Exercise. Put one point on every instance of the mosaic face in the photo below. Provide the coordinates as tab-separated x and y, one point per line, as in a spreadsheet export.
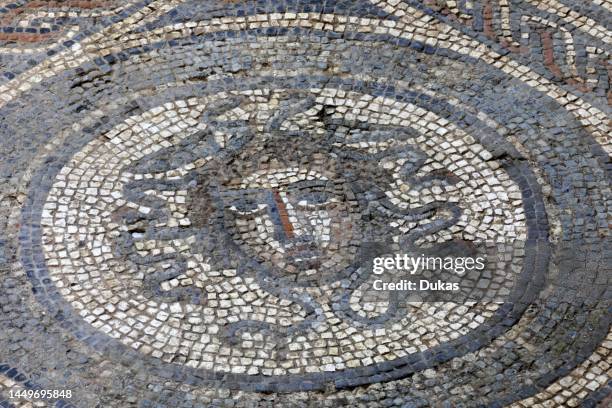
295	221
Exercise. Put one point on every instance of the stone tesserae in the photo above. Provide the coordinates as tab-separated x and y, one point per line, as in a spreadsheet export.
214	203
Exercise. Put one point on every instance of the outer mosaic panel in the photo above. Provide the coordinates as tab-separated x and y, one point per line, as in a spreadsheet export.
191	194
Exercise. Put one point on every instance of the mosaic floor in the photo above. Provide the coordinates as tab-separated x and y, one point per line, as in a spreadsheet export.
189	192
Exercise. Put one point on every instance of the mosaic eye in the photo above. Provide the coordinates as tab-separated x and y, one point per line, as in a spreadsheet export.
316	198
247	206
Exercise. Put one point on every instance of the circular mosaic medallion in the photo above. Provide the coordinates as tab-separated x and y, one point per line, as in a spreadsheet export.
238	221
231	231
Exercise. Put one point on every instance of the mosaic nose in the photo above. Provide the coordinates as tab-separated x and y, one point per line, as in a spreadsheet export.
289	229
284	226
